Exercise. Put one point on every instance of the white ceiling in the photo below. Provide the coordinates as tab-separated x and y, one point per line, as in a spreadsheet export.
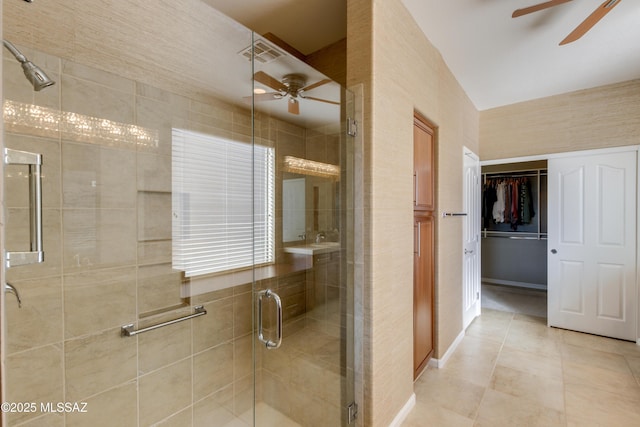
500	60
497	59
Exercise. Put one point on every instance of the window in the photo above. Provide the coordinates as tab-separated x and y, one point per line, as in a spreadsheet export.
223	197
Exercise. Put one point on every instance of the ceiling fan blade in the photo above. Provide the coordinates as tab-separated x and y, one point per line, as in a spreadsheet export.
267	80
537	7
316	84
591	20
294	106
322	100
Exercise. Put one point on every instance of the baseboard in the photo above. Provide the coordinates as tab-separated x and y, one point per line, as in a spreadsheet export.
439	363
404	412
539	286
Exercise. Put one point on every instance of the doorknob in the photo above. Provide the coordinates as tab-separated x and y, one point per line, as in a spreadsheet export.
553	251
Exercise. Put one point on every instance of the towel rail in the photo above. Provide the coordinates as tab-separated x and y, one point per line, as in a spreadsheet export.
130	331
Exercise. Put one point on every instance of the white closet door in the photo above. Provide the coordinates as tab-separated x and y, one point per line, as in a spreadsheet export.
592	244
471	239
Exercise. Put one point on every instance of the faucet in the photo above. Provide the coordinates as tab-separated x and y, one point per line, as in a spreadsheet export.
303	236
320	237
8	287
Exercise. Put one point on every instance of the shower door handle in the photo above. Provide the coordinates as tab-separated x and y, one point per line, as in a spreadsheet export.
34	161
269	344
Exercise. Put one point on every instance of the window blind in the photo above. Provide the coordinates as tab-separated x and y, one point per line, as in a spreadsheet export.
223	197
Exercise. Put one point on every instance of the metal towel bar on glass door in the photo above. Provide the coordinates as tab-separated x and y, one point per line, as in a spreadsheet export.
129	331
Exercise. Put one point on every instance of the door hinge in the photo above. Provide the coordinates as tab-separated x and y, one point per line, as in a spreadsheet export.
352	412
477	295
352	127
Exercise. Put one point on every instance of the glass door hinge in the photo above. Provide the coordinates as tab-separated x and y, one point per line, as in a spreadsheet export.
352	413
352	127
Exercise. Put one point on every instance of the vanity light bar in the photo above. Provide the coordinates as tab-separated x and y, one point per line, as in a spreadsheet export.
309	167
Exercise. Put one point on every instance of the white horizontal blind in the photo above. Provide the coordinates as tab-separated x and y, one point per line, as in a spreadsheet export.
214	228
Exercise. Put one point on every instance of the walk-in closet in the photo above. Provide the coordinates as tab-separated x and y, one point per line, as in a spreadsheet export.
514	228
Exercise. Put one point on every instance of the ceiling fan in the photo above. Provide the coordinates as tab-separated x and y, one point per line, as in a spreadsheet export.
581	29
293	86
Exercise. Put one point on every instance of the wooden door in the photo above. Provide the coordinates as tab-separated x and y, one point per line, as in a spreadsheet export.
424	227
424	244
592	244
423	166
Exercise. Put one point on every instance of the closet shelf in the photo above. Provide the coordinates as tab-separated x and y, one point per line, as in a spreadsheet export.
520	235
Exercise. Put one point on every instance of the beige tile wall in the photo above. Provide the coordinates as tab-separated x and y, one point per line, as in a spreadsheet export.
108	263
606	116
95	276
147	42
401	72
107	244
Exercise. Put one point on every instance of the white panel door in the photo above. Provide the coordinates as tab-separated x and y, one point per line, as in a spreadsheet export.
471	239
592	244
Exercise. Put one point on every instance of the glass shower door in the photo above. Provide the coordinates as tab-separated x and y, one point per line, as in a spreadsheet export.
304	299
112	324
163	197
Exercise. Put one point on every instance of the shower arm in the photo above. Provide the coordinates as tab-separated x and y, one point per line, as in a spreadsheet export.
36	75
14	51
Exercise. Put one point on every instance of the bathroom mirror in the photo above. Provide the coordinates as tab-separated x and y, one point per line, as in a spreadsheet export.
293	208
308	206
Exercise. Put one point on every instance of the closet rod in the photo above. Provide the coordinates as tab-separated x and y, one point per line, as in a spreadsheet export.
519	237
524	235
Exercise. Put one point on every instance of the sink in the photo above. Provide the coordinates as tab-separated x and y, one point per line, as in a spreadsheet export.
314	248
325	245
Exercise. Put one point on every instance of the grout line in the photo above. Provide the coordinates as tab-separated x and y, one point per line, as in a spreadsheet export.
475	418
564	389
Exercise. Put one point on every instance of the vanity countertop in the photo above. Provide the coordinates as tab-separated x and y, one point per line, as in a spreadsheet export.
314	248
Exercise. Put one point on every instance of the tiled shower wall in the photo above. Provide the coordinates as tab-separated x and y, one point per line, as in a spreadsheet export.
107	231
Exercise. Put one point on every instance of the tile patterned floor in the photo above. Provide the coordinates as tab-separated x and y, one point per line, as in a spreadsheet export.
517	300
512	370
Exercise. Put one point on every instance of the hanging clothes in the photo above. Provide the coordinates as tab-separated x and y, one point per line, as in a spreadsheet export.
507	200
526	203
498	206
515	215
507	203
489	197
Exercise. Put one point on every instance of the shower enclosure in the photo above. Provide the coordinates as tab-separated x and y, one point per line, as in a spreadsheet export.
186	187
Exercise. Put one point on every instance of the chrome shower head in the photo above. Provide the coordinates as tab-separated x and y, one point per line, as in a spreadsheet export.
34	74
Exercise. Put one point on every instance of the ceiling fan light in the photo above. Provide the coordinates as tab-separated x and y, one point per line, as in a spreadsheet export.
259	91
